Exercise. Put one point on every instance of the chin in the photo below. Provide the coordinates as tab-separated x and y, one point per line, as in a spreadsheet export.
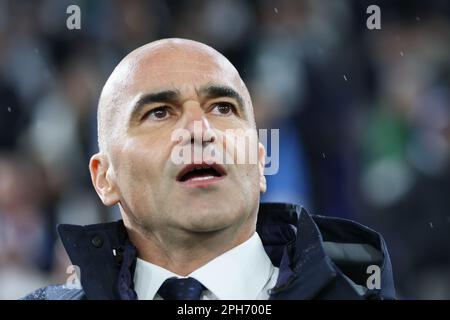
210	219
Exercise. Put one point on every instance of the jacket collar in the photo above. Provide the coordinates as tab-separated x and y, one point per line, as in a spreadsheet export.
303	253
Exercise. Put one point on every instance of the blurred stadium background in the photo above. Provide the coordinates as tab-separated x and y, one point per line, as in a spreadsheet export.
363	117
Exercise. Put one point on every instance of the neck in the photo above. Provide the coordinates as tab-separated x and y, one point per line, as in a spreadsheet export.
186	251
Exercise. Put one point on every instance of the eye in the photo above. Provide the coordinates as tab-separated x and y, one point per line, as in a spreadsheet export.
158	114
223	109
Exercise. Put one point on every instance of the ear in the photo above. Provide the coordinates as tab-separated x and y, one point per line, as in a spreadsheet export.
102	177
261	164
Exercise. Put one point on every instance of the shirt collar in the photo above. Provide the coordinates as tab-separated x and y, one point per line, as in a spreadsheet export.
148	277
247	268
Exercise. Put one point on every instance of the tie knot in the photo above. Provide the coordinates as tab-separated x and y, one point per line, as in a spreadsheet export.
181	289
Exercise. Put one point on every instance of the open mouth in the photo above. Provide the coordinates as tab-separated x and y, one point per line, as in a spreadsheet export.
201	172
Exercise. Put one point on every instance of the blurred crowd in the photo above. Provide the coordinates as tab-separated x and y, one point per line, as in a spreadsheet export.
364	117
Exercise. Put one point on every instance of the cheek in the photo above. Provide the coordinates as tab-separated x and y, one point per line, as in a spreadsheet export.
140	166
248	178
239	146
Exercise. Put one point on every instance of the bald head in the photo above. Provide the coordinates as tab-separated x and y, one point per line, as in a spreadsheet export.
177	65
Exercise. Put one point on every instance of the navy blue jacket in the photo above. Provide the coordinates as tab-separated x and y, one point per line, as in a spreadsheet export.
318	257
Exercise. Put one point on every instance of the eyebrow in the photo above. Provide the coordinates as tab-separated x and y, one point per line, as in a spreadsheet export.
166	96
173	96
212	92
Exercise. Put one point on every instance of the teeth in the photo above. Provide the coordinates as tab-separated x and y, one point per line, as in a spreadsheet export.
201	168
202	178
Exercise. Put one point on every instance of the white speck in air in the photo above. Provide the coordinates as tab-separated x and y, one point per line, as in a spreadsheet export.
401	53
323	155
276	10
417	18
9	109
345	77
431	225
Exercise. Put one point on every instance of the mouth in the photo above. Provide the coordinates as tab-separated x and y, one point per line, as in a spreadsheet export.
201	175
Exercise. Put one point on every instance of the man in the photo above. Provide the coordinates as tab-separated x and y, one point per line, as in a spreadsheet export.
196	230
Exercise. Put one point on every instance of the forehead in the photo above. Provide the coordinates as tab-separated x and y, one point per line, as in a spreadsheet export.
183	69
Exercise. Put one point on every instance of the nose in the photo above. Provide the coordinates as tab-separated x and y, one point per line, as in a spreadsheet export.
198	125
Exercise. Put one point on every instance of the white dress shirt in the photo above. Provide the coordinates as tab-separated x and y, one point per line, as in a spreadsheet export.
242	273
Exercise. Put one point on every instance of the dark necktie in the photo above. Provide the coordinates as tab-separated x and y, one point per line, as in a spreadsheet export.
181	289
